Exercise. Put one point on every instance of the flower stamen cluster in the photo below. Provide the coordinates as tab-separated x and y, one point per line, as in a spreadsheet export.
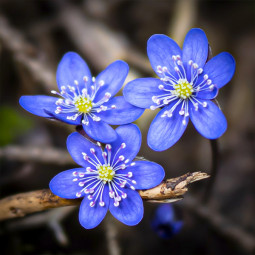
79	101
180	89
104	173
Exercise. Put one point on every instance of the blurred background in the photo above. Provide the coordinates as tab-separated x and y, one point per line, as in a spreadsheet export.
34	35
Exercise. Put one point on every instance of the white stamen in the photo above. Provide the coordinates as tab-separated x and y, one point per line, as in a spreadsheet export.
111	194
85	122
211	87
161	87
159	69
195	66
209	82
181	112
164	69
205	77
108	146
101	203
200	70
101	83
78	194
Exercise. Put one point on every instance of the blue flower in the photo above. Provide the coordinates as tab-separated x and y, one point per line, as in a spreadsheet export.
185	89
86	100
164	223
109	178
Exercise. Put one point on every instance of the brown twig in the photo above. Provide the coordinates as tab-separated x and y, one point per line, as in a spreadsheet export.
172	189
24	203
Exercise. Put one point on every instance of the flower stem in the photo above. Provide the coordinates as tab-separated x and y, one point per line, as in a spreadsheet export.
214	170
111	233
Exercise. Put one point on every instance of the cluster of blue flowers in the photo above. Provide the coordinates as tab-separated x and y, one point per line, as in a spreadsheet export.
108	177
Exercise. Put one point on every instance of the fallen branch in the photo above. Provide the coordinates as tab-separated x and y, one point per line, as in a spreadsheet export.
22	204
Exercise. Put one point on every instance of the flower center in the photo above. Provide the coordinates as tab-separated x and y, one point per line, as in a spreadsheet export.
183	89
83	104
105	173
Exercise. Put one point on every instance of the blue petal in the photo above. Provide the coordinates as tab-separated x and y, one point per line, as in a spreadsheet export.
160	49
124	112
131	136
113	76
38	104
130	209
146	174
220	69
139	92
63	185
90	217
195	47
165	132
165	214
209	121
76	144
72	67
100	131
177	226
63	117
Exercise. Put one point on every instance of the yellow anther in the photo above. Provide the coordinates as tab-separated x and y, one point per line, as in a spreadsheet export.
83	104
105	173
183	89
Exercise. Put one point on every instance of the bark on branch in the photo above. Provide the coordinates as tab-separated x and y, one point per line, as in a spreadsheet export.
22	204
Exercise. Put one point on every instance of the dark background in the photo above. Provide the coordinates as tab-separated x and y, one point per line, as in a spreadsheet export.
34	35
